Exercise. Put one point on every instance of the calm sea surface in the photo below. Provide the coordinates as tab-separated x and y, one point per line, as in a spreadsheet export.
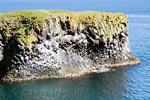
130	83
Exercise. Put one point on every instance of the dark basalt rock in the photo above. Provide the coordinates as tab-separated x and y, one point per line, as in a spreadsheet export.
64	47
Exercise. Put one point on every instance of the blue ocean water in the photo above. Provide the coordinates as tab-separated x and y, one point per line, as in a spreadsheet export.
130	83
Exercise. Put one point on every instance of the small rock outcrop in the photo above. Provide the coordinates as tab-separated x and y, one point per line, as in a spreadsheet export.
42	44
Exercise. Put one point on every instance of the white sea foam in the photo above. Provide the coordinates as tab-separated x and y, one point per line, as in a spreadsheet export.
145	16
102	70
141	24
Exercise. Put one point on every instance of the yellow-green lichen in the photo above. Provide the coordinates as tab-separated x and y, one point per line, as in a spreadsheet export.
27	22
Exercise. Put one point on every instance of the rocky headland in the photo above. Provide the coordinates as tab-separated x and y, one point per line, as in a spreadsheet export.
40	44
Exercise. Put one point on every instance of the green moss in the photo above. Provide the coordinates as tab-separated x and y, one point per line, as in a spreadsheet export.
38	14
22	30
27	22
41	14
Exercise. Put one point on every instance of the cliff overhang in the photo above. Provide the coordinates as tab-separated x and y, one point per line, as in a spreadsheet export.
42	44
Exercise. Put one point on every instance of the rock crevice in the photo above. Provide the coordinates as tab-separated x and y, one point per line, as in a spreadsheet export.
62	44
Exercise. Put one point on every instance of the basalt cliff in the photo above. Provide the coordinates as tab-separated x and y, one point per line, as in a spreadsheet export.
54	44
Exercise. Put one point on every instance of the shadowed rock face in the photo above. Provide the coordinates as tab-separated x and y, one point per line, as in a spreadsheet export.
59	45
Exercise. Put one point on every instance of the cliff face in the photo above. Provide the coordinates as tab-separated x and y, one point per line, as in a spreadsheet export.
42	44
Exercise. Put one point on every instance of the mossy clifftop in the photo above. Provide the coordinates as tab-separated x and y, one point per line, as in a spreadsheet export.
23	24
39	44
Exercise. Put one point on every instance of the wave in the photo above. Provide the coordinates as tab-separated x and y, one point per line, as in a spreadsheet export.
139	24
102	70
145	16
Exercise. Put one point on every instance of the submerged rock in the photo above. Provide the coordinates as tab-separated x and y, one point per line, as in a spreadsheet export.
42	44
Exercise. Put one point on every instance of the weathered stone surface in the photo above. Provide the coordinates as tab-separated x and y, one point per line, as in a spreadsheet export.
42	44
